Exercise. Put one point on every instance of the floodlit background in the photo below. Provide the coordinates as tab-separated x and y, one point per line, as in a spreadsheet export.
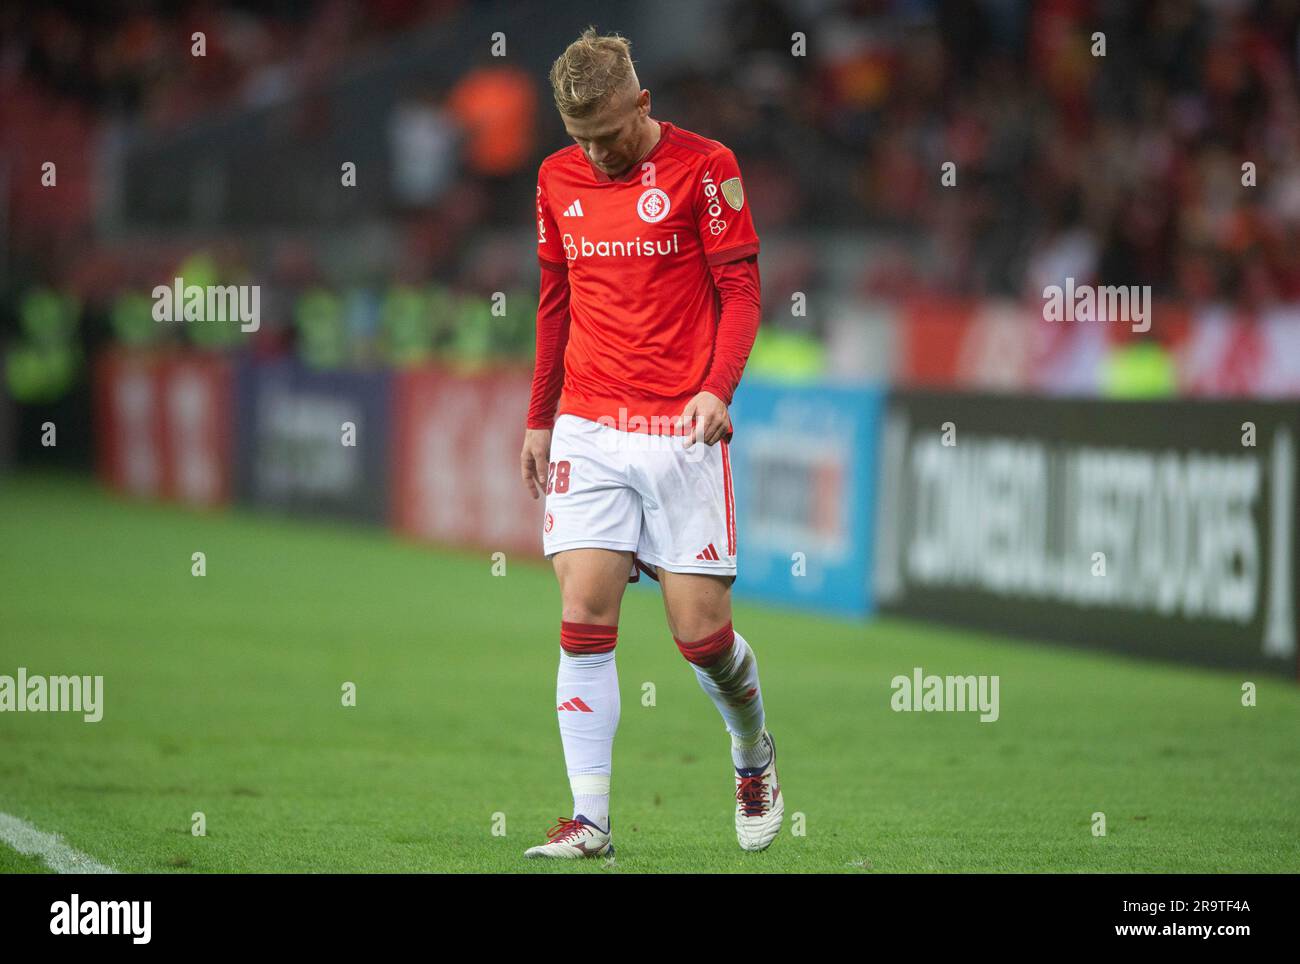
927	464
1123	169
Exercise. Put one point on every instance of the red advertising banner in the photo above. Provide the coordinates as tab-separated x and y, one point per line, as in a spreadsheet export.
1009	346
930	341
1229	353
953	342
164	426
456	459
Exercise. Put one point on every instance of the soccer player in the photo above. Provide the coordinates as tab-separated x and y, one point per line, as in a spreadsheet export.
649	307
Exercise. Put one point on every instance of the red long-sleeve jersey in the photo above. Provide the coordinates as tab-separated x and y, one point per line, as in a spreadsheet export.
650	289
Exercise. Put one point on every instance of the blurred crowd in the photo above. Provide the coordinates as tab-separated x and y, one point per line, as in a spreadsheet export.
1127	143
1135	143
137	59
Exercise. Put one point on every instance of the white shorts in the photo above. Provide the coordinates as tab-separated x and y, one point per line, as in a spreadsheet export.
641	493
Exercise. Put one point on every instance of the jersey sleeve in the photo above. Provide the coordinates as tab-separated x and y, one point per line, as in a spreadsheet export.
552	338
738	287
722	210
550	250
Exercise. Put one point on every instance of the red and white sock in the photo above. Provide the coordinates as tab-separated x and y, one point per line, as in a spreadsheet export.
587	705
727	670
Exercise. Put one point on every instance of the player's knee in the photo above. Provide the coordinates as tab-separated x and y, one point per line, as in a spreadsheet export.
704	617
708	649
589	608
587	639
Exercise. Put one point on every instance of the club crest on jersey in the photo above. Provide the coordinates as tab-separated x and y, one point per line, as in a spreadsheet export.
732	192
652	207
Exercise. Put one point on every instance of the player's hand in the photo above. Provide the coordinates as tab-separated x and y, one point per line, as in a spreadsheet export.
705	416
534	459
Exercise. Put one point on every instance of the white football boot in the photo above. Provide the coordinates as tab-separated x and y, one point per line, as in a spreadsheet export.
573	838
759	806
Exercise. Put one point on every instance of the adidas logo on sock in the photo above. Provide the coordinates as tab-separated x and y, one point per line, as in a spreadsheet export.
709	553
576	705
574	210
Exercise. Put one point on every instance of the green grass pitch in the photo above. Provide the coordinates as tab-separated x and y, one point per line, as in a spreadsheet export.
222	695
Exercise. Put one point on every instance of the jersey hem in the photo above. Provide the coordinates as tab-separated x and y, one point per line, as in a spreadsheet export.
647	416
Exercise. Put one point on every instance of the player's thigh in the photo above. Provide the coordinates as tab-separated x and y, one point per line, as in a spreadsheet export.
697	605
592	583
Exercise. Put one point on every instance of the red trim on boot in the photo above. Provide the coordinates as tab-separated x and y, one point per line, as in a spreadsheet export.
710	649
587	639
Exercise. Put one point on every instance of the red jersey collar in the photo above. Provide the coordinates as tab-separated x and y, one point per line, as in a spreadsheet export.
664	129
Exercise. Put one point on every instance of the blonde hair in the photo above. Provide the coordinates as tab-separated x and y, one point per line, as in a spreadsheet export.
590	70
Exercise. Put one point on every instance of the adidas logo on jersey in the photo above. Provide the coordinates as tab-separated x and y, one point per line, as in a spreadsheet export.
574	210
576	705
709	554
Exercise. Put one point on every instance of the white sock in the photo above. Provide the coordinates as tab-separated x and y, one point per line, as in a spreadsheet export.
755	757
591	798
732	684
587	705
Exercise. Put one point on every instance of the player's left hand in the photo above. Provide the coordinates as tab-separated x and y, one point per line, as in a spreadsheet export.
705	416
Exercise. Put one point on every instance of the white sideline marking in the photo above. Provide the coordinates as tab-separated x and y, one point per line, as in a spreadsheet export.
49	847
